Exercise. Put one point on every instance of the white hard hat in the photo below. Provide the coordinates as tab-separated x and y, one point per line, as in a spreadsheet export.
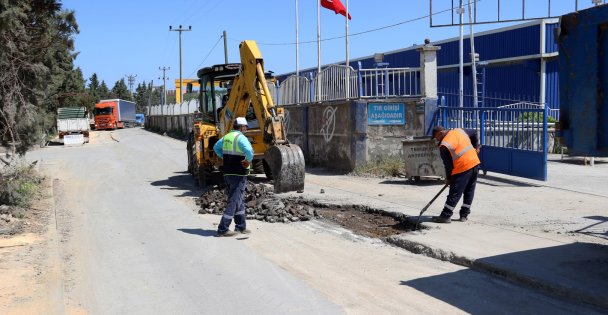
240	121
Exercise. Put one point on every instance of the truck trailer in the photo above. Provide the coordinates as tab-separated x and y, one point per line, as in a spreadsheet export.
72	125
114	114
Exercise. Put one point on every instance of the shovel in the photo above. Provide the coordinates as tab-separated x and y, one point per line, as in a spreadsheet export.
428	205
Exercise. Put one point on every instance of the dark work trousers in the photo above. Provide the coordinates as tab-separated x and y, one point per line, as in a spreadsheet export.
235	206
463	183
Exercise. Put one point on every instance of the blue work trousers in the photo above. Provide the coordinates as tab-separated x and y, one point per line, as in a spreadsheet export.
235	206
463	183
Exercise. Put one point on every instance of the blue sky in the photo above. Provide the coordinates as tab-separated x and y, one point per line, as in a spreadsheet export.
119	38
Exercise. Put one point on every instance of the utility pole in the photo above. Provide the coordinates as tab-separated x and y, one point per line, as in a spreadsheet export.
131	80
180	30
150	93
225	48
164	70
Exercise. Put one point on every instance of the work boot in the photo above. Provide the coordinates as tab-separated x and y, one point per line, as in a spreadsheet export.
441	219
225	234
463	219
244	231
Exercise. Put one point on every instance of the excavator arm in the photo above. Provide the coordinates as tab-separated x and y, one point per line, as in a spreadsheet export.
249	87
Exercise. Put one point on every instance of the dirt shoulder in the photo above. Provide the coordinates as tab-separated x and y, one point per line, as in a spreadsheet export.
30	267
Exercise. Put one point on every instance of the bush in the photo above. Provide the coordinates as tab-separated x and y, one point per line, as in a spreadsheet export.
383	166
19	184
535	117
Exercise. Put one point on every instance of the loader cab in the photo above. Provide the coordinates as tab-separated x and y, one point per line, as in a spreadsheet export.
214	83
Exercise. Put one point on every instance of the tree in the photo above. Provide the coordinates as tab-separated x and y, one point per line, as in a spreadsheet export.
72	92
35	59
141	96
93	87
156	96
104	92
121	91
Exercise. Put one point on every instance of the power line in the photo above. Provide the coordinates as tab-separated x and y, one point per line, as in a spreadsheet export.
364	32
210	51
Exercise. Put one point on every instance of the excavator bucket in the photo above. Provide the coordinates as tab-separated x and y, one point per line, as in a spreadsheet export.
287	166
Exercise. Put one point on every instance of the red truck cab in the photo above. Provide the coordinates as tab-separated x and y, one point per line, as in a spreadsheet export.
113	114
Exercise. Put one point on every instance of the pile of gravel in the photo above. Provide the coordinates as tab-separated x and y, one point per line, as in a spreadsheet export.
260	204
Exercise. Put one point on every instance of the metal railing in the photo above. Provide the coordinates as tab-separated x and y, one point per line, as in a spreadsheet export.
522	128
288	88
331	83
274	90
389	82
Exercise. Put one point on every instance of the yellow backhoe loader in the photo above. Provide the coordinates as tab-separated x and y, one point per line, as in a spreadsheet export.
228	91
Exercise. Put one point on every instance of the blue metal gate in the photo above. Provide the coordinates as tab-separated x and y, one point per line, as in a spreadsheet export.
514	137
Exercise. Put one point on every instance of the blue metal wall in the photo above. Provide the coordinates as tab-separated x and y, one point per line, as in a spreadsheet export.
514	80
552	84
550	41
508	44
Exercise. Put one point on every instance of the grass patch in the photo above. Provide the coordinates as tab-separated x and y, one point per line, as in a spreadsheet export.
383	166
19	184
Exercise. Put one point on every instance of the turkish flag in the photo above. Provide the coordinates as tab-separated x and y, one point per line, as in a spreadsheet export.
335	5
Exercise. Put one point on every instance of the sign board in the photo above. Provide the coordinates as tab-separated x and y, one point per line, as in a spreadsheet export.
386	114
422	158
73	139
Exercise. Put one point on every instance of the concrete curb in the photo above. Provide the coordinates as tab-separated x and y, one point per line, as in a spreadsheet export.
514	276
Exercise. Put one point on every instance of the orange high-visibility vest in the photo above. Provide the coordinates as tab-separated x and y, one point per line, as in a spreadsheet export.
463	154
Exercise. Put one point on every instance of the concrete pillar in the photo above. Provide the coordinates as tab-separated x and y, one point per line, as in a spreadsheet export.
428	70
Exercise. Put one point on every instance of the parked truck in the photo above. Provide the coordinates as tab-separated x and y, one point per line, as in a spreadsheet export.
114	114
72	125
140	120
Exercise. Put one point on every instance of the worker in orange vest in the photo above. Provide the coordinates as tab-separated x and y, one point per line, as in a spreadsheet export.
458	149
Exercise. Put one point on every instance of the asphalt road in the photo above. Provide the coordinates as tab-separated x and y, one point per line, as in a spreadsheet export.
133	243
136	249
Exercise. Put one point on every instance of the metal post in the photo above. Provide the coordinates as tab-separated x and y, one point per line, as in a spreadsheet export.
473	65
225	47
297	59
347	63
360	81
318	87
460	65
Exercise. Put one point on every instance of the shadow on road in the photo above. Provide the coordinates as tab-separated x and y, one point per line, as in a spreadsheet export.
200	232
575	271
595	229
420	182
498	181
181	181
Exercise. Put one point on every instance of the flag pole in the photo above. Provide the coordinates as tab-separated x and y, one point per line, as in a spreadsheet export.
297	59
347	64
318	87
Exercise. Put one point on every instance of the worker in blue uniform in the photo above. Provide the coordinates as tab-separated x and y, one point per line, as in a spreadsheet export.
236	151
